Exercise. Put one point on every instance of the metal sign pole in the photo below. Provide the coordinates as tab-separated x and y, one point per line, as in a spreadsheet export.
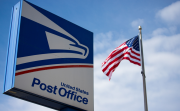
143	71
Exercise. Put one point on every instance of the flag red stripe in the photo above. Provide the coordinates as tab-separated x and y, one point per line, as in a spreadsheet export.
115	50
115	60
129	53
112	69
119	51
114	66
114	54
134	52
127	58
53	67
104	69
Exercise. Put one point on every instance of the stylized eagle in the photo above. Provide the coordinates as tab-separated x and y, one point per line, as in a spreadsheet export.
55	42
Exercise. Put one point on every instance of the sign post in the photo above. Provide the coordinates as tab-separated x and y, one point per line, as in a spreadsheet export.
49	60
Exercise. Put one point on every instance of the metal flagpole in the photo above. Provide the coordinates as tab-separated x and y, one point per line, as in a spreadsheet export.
143	71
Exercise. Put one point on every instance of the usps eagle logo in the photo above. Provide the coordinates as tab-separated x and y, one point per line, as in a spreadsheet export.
46	39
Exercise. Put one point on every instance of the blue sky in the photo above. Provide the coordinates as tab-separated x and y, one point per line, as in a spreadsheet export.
113	22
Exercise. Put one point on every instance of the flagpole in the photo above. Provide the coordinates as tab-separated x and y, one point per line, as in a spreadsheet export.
143	71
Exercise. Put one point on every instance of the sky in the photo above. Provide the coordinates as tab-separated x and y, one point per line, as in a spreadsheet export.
112	23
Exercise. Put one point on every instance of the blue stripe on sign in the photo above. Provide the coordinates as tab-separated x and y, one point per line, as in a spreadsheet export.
12	47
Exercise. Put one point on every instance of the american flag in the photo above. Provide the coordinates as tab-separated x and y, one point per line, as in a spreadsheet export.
129	50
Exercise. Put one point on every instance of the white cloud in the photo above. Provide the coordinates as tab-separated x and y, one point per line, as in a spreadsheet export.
21	105
162	56
105	42
160	31
137	22
102	40
171	13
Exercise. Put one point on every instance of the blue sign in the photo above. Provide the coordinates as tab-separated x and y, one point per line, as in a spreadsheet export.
49	60
47	34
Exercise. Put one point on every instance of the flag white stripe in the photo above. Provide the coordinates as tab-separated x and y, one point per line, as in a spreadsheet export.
107	70
118	55
134	54
116	50
138	52
135	60
109	67
110	60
